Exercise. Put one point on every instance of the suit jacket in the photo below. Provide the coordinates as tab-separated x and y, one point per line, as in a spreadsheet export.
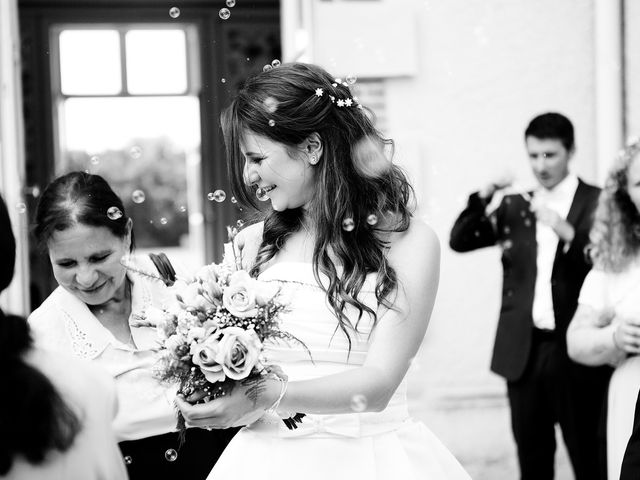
513	226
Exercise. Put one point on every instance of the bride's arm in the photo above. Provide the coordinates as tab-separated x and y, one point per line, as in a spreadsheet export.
415	256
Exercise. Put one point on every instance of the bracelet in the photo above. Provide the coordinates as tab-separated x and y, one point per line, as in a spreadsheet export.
284	383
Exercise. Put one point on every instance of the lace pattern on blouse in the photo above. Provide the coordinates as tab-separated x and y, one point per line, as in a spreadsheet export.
80	342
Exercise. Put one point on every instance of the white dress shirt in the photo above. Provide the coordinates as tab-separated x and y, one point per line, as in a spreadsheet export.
558	199
64	323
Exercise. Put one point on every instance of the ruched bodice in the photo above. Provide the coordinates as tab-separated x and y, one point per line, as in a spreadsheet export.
311	319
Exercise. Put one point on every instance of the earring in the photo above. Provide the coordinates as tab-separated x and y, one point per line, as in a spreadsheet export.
313	159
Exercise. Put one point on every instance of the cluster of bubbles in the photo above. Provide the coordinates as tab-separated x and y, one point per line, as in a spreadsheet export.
114	213
225	13
348	224
274	64
218	196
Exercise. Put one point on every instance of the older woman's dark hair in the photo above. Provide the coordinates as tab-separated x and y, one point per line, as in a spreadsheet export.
79	198
34	419
355	180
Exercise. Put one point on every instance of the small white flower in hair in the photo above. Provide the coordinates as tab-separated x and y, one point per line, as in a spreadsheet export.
348	102
319	92
338	80
334	84
340	103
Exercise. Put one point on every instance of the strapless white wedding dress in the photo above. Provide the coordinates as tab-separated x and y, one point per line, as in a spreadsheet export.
376	446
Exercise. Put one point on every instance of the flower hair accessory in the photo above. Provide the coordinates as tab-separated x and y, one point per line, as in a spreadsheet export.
339	102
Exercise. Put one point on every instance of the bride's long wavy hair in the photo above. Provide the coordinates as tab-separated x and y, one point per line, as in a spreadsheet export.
615	235
354	180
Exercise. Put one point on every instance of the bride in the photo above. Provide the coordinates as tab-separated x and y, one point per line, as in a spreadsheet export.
360	277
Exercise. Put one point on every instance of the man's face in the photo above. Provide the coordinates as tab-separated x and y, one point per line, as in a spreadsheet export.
549	160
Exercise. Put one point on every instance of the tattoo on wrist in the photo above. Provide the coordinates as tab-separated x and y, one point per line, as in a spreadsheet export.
256	387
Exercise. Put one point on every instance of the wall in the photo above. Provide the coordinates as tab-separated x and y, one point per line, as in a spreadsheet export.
484	68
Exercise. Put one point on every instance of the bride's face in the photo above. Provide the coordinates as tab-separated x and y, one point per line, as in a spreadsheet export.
289	181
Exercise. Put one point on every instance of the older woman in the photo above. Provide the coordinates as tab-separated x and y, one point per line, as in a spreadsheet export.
606	326
104	310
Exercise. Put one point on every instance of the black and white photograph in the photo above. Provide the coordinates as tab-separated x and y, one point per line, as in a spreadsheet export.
320	239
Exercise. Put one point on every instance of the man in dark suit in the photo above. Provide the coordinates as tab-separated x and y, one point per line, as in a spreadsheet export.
543	235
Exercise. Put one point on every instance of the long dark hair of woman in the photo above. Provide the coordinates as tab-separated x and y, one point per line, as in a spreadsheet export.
34	419
356	181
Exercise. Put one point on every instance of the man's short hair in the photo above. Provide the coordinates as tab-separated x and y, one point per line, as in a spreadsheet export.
552	126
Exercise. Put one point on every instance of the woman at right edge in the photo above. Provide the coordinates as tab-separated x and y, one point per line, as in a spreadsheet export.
360	276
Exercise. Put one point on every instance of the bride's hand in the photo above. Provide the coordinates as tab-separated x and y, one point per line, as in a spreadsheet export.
245	404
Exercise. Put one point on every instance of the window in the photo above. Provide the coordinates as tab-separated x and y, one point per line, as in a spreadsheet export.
126	107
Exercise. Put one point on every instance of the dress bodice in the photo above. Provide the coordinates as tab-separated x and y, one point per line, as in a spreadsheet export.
310	318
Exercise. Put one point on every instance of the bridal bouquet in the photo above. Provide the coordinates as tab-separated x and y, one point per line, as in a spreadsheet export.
216	337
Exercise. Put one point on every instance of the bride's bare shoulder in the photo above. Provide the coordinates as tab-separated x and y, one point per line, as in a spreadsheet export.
419	243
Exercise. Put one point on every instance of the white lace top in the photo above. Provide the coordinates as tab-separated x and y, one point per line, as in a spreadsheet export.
63	323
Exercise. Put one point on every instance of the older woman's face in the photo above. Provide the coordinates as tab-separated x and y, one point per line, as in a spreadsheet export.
633	181
86	262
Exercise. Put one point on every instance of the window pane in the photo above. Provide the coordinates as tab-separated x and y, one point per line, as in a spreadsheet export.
156	61
149	145
90	62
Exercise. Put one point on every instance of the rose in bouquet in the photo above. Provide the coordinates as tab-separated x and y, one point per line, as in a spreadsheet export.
216	335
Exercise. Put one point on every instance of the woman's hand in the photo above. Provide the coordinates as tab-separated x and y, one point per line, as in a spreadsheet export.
245	404
626	335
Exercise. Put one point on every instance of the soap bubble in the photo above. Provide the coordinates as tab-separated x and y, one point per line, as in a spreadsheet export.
348	224
358	403
262	194
135	152
138	196
224	13
174	12
114	213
